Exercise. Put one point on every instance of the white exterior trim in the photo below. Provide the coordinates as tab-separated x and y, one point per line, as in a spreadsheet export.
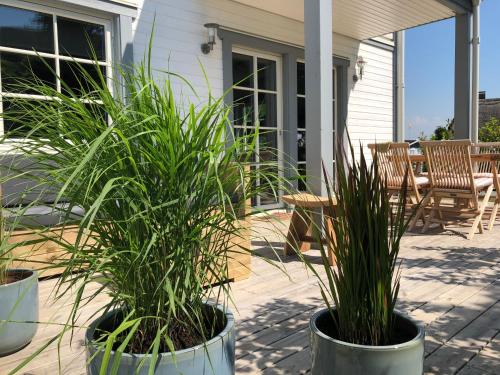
279	105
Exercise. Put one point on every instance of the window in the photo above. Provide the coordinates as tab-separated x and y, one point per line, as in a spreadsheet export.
301	121
39	41
257	102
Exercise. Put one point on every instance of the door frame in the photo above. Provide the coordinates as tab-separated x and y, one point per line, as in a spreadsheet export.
256	54
290	54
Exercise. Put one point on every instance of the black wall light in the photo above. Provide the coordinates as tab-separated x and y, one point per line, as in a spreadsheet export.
212	32
360	64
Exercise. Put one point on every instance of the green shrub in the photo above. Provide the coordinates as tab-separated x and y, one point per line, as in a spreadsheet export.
444	132
490	131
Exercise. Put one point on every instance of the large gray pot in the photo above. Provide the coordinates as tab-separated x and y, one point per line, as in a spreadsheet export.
330	356
216	357
18	303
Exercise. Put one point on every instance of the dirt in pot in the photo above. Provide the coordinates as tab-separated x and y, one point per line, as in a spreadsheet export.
180	332
16	275
404	330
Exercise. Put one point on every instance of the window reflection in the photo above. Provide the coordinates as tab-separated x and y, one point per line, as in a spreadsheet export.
19	70
26	29
301	112
301	146
31	32
242	70
81	39
75	77
268	116
301	78
243	108
266	75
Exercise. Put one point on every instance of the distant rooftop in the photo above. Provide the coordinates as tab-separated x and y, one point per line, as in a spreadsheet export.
488	108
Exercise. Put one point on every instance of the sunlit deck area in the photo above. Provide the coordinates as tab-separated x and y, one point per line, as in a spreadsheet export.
449	284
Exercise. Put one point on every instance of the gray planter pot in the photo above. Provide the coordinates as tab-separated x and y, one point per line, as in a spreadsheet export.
19	303
216	357
330	356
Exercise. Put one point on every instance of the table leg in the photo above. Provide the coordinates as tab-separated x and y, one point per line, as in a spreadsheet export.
300	227
328	215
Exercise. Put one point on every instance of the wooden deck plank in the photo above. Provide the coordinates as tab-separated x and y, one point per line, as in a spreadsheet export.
443	329
297	363
449	283
466	344
270	354
487	361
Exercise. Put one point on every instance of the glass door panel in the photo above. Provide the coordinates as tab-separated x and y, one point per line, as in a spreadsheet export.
243	109
257	104
268	110
266	75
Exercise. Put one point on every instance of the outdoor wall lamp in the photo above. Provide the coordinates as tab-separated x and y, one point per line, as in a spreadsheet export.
212	31
360	63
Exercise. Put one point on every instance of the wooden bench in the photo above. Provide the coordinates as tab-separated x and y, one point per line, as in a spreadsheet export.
299	235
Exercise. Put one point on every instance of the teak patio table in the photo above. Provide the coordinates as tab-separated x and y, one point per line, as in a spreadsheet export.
300	230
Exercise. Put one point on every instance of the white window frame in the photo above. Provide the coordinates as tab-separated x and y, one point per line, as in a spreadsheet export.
255	54
56	12
335	111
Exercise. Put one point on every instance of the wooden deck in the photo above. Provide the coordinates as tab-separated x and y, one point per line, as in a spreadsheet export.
449	283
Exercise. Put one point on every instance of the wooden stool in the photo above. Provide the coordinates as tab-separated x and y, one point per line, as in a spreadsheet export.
300	231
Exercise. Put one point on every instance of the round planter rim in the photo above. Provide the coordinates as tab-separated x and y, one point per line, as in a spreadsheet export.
408	344
33	275
229	325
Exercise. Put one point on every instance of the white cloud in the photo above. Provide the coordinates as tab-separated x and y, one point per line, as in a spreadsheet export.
417	124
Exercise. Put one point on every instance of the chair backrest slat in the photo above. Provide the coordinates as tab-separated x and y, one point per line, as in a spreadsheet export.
485	148
393	161
449	164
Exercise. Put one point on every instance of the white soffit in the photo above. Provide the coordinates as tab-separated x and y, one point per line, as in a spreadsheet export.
363	19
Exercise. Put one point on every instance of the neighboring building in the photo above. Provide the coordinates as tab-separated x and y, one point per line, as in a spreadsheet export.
488	108
270	34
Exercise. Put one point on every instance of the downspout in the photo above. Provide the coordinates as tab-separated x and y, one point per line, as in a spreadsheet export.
400	86
475	70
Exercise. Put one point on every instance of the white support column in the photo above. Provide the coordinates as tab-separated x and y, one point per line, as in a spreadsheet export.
474	133
463	76
318	16
400	86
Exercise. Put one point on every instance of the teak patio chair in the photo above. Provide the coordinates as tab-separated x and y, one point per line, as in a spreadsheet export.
484	169
393	161
452	178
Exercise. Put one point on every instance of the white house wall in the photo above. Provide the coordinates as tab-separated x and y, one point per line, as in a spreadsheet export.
179	31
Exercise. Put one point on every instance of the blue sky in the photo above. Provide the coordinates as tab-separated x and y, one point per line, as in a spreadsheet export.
429	77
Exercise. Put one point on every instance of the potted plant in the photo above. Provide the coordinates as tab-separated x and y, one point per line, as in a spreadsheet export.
161	190
19	299
359	331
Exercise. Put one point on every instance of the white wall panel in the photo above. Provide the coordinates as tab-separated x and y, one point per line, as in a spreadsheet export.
180	32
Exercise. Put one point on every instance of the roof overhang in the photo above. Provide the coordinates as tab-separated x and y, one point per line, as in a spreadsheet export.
363	19
459	6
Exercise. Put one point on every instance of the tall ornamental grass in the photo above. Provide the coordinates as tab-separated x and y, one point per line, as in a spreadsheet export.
162	188
361	290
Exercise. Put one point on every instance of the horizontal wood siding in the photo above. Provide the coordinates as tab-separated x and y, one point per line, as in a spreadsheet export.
179	32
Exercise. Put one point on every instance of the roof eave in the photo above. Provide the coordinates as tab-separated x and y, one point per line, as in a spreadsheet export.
458	6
